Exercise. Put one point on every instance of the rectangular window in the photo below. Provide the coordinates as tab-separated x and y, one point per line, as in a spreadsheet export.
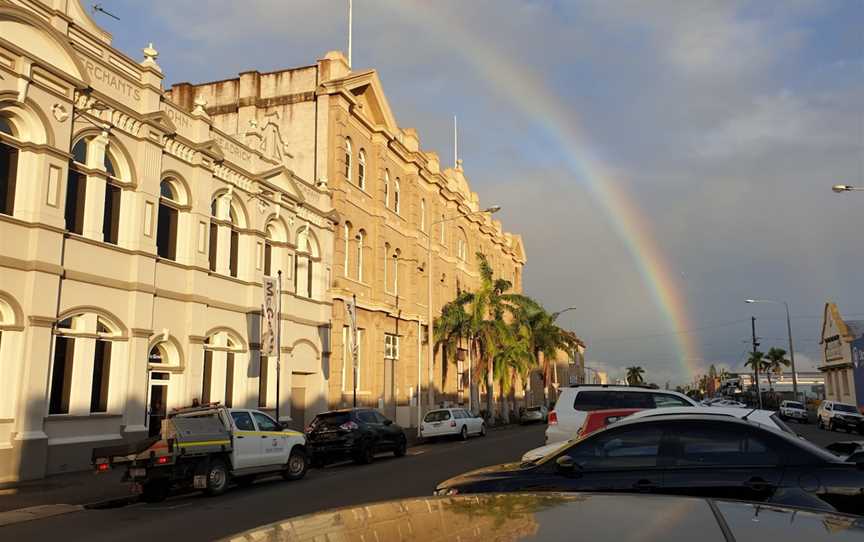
229	379
391	346
235	247
101	377
208	377
263	377
61	377
268	259
75	190
166	233
460	384
111	216
8	175
214	243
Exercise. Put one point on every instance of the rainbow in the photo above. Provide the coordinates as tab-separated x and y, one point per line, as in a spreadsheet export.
527	92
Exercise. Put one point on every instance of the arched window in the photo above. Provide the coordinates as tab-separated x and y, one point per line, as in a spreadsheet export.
218	383
348	164
396	254
304	262
235	243
76	188
74	341
361	170
347	233
462	245
166	228
361	237
214	234
8	167
386	189
113	192
236	219
422	215
396	194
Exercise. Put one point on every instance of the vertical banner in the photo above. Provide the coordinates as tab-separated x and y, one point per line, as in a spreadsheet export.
269	318
858	371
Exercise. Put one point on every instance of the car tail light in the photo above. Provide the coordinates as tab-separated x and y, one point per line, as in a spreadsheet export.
452	423
162	460
349	426
553	418
102	467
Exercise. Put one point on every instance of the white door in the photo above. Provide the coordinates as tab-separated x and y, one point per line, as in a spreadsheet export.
274	442
247	442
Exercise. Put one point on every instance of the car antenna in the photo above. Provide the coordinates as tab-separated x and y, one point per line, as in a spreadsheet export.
748	414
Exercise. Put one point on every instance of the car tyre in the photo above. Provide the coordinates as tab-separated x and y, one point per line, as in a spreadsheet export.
482	429
401	448
831	425
365	455
217	478
298	464
463	433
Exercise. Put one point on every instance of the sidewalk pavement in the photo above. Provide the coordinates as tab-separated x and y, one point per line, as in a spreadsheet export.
74	488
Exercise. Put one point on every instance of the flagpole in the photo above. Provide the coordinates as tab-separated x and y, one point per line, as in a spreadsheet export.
350	24
278	343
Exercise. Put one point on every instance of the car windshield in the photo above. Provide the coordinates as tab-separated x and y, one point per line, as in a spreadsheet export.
793	404
437	416
840	407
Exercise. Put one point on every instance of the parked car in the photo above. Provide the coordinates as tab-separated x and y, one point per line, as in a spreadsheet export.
556	517
850	450
793	410
355	433
594	421
451	422
207	447
719	457
728	403
832	415
534	414
574	404
768	418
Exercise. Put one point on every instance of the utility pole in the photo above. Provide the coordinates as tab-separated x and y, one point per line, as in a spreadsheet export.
755	364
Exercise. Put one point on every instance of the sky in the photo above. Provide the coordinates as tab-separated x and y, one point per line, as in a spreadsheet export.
663	160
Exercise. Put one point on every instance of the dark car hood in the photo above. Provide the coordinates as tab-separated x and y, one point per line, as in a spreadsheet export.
486	473
550	516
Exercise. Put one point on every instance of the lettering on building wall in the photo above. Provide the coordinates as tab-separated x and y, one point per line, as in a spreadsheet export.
98	73
232	149
833	348
180	120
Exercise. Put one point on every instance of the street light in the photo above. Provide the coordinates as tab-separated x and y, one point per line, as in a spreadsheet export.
430	350
789	331
845	188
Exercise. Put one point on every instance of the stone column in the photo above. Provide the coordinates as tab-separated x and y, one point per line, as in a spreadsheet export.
137	382
94	199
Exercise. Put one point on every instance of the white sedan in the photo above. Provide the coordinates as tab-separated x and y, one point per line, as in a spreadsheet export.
451	422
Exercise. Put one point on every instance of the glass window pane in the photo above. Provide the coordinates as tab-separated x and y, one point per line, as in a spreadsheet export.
111	215
243	421
8	178
75	193
6	126
61	376
629	448
265	422
101	377
664	400
724	447
79	152
367	416
166	190
588	401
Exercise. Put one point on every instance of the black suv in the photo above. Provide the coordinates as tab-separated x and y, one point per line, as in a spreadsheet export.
356	433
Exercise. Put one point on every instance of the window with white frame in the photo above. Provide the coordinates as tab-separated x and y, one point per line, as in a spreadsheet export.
83	351
391	346
166	227
361	170
396	194
8	167
386	189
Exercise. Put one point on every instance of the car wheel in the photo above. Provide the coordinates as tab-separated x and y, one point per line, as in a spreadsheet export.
365	455
463	434
155	491
297	464
482	429
217	478
401	448
831	425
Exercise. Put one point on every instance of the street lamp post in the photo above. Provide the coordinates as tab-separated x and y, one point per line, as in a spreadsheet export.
429	346
789	331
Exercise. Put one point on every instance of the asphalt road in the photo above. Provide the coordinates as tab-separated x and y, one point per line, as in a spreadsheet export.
821	437
194	517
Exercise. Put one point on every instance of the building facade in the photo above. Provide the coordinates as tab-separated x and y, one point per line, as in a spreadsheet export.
393	198
134	238
843	359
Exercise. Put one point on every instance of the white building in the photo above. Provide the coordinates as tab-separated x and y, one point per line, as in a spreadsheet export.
134	237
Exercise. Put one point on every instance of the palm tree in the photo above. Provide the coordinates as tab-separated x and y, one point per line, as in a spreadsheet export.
547	339
634	375
774	361
755	363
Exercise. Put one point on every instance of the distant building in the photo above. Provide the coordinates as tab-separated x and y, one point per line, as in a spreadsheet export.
843	348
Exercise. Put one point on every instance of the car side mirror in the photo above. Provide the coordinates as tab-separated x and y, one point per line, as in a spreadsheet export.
388	422
567	465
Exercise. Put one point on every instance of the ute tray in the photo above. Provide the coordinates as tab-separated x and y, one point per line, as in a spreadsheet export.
199	434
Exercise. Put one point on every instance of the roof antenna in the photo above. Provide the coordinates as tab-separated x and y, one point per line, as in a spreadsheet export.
748	414
100	9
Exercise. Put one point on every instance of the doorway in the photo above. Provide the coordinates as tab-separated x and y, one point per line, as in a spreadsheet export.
157	407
